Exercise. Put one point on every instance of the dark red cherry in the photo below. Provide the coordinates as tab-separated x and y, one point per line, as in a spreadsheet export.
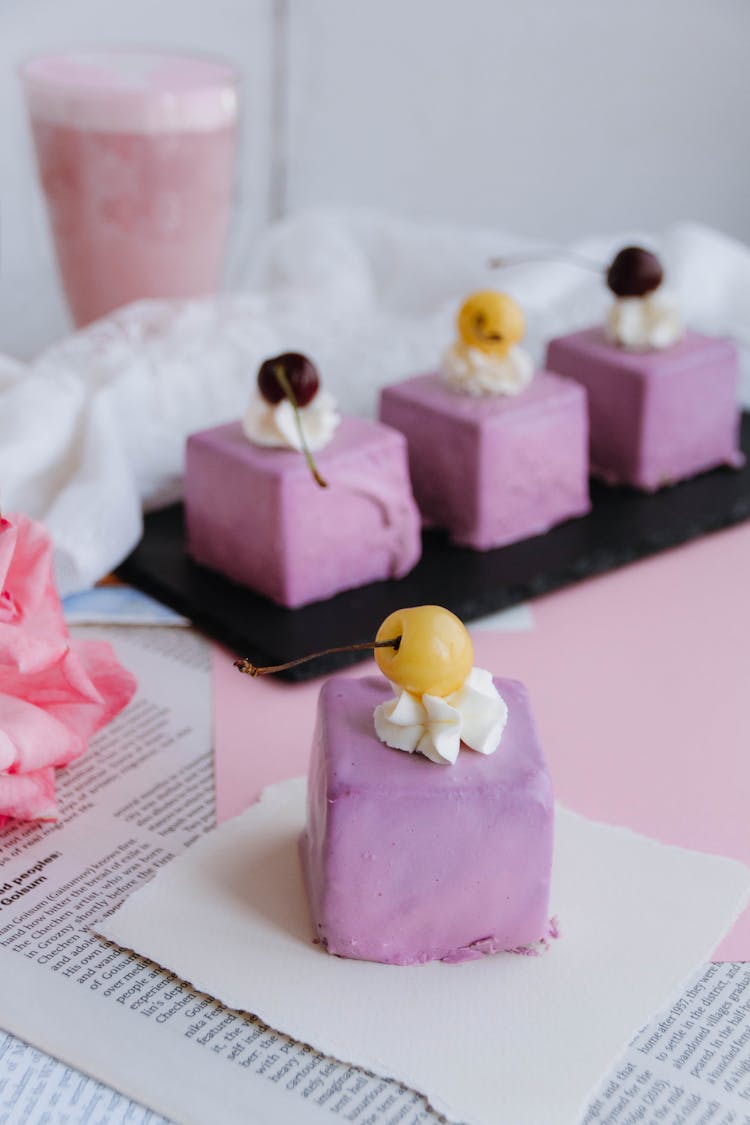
634	272
301	374
294	377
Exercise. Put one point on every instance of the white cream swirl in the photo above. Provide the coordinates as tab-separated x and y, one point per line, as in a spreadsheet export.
476	715
274	425
640	323
474	372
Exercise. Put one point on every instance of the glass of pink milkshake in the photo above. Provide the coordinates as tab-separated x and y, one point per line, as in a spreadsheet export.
135	153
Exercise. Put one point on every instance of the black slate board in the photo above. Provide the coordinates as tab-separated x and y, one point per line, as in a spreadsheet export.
623	525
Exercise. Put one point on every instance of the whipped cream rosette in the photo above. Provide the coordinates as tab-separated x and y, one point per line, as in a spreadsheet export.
435	725
643	315
474	372
486	358
274	424
640	323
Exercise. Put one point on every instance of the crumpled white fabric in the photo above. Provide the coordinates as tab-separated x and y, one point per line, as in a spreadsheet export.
276	426
474	372
436	726
638	323
95	427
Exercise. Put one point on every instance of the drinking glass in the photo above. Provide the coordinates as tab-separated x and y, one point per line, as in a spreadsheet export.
135	152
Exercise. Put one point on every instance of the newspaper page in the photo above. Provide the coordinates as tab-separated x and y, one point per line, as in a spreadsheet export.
36	1089
690	1065
142	793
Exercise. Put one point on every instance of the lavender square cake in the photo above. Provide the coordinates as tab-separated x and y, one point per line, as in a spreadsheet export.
406	861
656	416
494	469
256	515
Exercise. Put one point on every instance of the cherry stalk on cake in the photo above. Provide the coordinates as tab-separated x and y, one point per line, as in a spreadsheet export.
429	650
443	701
633	272
643	317
292	376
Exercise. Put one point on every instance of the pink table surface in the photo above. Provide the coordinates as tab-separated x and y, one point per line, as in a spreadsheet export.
640	686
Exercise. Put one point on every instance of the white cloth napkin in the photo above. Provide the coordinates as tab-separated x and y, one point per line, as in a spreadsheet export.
95	427
499	1041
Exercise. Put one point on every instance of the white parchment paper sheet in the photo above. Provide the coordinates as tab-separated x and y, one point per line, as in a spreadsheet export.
509	1039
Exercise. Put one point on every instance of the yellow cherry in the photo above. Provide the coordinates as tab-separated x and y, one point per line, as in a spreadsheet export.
434	655
491	322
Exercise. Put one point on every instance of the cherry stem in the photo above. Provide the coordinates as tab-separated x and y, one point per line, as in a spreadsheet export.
545	256
286	387
251	669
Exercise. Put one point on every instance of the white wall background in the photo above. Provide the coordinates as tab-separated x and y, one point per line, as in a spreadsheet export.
554	119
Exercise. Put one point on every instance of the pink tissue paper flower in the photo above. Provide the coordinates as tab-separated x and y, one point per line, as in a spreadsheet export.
54	693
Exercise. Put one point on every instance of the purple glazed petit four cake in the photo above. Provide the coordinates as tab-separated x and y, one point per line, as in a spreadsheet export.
256	513
663	402
496	453
659	416
257	516
493	471
430	816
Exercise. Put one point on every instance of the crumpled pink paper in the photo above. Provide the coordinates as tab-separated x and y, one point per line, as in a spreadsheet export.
54	693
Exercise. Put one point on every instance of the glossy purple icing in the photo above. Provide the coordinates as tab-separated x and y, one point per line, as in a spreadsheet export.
494	469
659	416
256	515
406	861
